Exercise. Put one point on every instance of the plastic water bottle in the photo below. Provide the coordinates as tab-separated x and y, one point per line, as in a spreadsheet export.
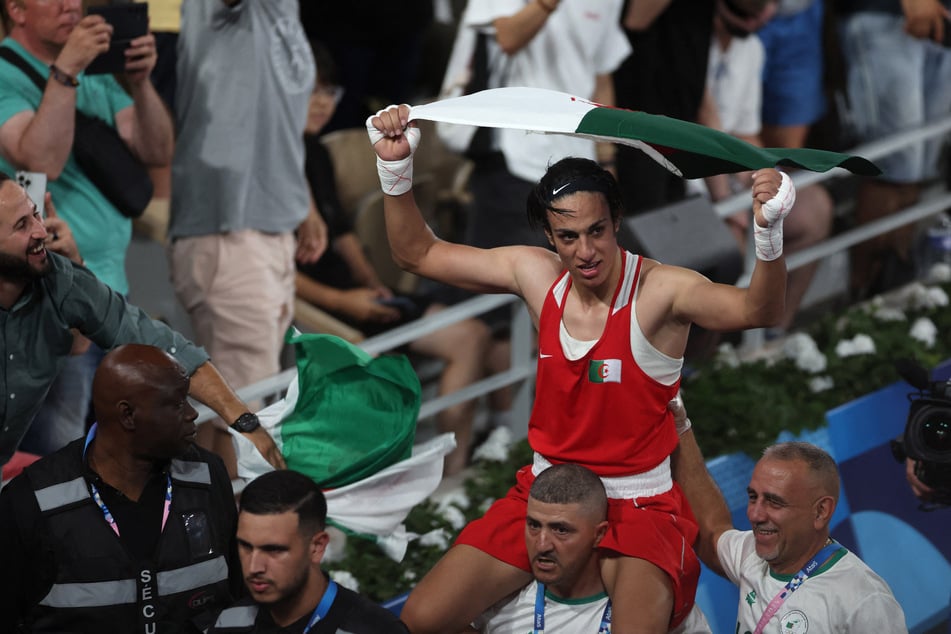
936	259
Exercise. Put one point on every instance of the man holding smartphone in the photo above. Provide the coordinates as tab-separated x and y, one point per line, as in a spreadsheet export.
36	134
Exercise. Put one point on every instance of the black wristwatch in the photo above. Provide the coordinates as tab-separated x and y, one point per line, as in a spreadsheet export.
246	423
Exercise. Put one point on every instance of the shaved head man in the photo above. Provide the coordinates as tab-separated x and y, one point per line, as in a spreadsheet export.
132	527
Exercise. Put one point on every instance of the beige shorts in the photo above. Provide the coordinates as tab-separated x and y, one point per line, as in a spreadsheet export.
238	289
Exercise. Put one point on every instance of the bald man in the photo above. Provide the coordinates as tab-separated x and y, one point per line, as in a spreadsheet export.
130	529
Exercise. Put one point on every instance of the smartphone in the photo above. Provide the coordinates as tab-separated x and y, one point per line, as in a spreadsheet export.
129	21
35	185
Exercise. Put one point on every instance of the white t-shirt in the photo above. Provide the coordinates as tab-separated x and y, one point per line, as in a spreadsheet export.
843	596
580	40
735	79
579	616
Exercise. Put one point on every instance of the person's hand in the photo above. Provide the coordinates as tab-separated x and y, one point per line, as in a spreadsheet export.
925	19
772	197
388	130
311	238
265	444
676	407
59	237
88	39
140	58
363	305
921	490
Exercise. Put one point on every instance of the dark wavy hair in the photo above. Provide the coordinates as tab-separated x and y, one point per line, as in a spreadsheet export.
568	176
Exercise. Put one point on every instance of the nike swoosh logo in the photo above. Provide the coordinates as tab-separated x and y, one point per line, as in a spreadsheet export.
542	355
554	192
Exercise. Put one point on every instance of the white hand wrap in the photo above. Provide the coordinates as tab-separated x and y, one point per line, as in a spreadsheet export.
396	177
681	422
769	239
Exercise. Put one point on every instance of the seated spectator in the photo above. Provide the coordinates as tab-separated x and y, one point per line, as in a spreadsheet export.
343	282
567	515
790	572
732	103
45	295
130	529
281	542
900	83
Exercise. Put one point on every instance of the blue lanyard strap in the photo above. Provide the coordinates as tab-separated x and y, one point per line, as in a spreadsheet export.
320	612
538	626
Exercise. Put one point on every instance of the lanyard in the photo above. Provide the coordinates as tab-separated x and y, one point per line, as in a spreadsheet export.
821	557
320	612
538	626
106	513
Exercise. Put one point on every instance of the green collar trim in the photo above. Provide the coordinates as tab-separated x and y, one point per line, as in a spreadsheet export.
839	554
581	601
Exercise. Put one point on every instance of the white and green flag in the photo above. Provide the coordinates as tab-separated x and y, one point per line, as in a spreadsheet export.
686	149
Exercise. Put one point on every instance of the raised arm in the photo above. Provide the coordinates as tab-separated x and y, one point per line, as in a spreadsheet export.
41	140
416	248
703	494
146	126
722	307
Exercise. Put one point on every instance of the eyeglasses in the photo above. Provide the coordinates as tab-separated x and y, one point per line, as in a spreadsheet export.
329	92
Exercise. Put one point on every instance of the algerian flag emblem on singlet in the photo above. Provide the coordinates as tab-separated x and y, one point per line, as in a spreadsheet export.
606	371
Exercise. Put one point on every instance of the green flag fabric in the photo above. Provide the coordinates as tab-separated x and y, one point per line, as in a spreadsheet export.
355	414
686	149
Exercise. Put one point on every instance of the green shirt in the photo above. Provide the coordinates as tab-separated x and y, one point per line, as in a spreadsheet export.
36	339
101	232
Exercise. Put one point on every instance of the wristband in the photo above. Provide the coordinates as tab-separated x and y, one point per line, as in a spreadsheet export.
768	240
62	77
396	177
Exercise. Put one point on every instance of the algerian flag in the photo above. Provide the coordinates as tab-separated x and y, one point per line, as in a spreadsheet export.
604	371
686	149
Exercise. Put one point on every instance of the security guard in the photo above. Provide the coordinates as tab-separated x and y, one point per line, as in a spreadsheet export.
130	529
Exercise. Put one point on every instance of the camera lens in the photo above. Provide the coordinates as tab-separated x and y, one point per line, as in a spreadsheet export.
936	434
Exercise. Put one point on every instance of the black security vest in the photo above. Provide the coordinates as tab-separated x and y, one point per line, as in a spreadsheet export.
98	586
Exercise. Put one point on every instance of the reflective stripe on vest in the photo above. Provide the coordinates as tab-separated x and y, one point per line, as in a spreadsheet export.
191	471
76	490
239	616
204	573
104	593
91	594
62	494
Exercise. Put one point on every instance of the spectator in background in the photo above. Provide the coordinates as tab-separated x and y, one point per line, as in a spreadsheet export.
344	282
44	295
732	103
239	194
377	46
571	46
36	134
130	529
665	75
791	574
281	542
792	74
900	82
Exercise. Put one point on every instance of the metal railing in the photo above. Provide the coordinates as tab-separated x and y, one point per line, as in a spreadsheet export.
752	339
523	361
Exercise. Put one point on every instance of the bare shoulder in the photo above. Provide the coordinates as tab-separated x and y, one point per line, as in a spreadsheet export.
658	289
536	269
